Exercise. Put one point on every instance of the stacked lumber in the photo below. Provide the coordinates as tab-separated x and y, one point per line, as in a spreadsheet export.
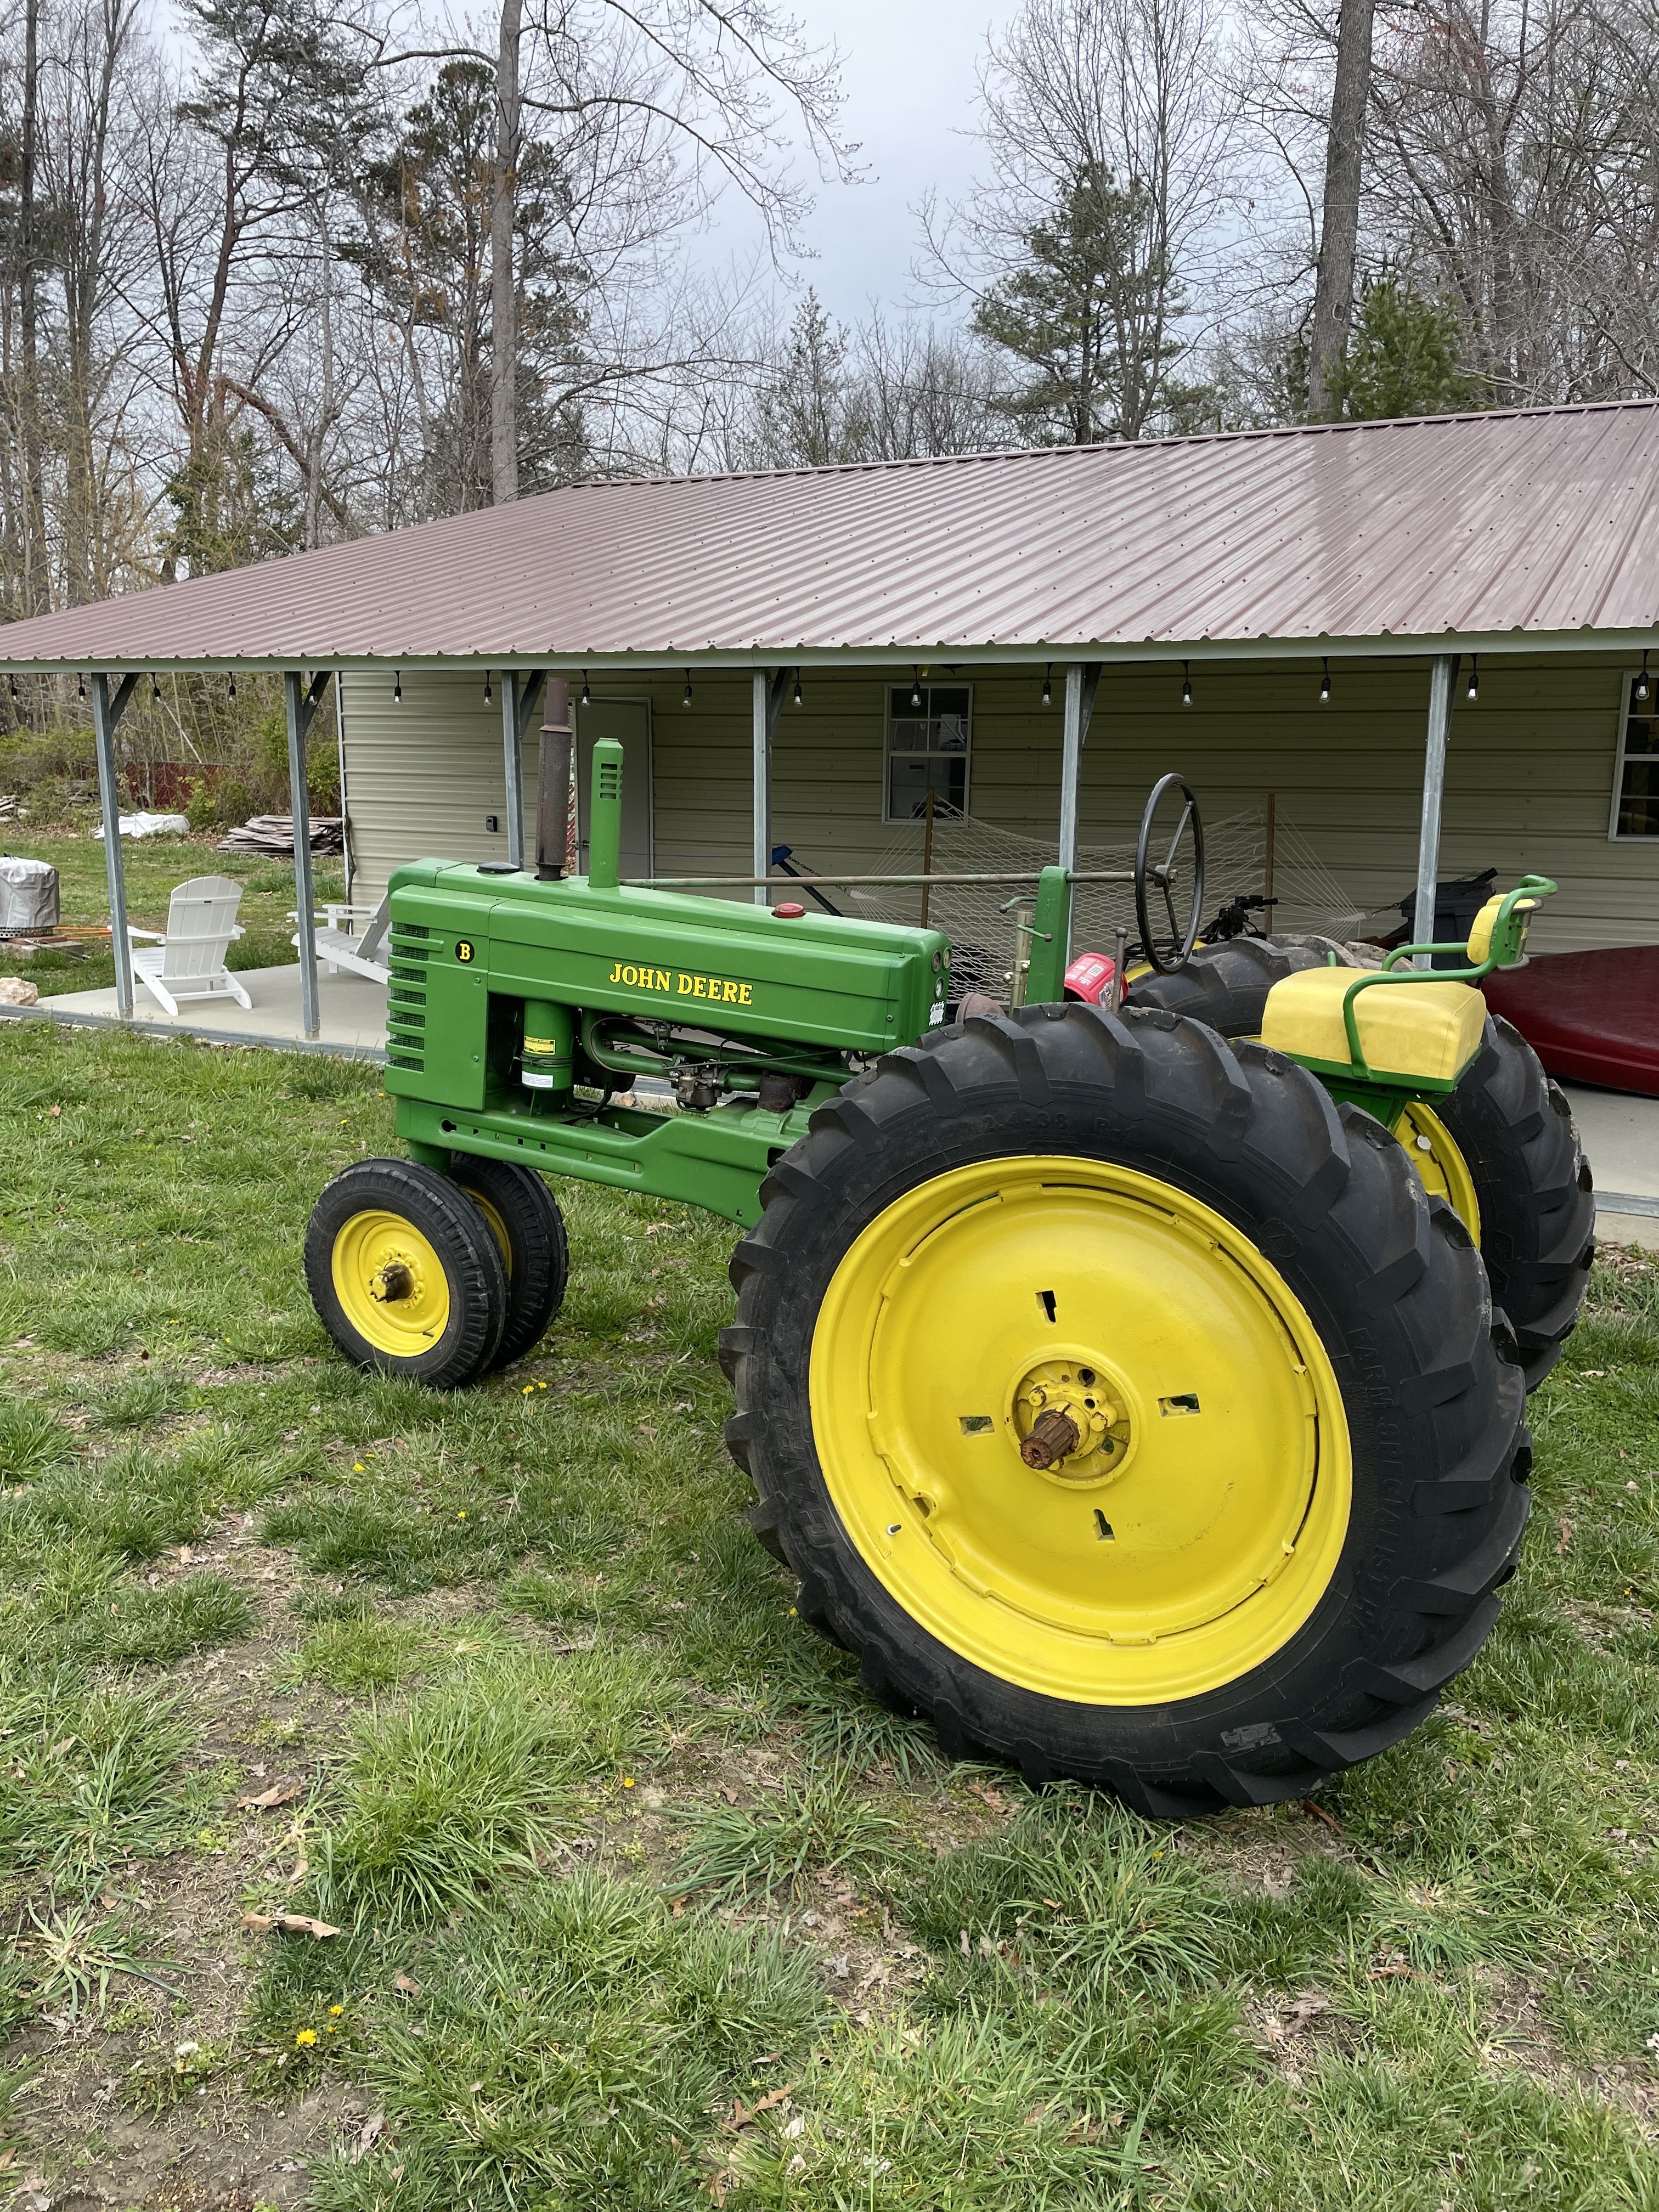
272	836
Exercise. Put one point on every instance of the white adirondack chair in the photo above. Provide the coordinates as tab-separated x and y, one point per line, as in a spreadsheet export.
351	937
187	961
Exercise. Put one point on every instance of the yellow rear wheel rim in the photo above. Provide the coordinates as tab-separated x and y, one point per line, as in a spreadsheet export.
1189	1536
1434	1152
390	1283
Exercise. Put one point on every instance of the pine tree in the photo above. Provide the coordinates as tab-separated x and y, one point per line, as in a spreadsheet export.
1081	316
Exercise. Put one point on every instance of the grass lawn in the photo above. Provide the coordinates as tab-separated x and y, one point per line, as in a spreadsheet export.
154	866
631	1898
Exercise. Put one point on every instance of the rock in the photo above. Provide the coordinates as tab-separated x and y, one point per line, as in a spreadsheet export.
18	990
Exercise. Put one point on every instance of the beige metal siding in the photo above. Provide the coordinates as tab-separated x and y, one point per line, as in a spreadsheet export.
1530	772
1528	780
420	775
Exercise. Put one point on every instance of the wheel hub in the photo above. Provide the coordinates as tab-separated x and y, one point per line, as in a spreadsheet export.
393	1280
1070	1417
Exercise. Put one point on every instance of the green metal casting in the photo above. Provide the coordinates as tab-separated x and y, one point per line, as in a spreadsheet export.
517	1009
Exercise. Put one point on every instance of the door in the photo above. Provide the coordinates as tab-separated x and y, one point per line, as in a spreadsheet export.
629	721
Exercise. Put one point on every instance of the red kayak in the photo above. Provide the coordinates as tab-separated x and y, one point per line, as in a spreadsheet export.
1590	1017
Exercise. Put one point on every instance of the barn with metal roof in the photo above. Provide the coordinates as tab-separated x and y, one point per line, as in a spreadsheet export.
1289	617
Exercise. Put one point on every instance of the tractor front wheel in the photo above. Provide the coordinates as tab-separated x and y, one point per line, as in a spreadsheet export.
405	1274
525	1221
1131	1409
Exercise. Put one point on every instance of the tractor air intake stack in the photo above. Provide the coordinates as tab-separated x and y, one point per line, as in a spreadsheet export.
553	785
604	817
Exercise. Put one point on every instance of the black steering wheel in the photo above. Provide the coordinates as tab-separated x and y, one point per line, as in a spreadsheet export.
1171	951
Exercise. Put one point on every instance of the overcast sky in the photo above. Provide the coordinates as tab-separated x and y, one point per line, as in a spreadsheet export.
909	70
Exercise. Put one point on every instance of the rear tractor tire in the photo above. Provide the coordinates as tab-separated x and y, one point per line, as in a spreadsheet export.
405	1274
1502	1149
1130	1408
524	1218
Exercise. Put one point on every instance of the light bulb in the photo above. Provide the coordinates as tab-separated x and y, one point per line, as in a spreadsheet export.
1186	684
1048	685
1325	686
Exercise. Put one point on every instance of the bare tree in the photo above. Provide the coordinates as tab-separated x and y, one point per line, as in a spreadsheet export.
503	276
1338	231
1083	247
713	83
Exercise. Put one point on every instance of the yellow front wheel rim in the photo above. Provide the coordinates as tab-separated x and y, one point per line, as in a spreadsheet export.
390	1283
495	1224
1434	1153
1199	1520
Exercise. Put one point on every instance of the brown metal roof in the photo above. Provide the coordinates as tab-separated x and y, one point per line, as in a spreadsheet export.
1540	525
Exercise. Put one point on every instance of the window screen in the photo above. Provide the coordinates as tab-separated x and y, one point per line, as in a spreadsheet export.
927	748
1636	795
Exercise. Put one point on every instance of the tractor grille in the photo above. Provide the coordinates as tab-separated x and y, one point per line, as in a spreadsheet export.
405	1007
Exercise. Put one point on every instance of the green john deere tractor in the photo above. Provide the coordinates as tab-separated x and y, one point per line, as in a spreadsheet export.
1137	1389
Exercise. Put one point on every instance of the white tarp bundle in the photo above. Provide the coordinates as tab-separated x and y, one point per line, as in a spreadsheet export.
148	825
29	894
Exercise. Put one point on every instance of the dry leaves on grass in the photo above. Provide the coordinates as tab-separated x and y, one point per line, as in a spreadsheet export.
281	1793
744	2116
291	1923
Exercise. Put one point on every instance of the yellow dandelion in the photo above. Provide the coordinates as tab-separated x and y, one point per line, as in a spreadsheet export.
628	1782
306	2035
461	1515
528	1390
335	2011
357	1468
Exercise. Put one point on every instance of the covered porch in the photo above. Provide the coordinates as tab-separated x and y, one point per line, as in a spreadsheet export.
1427	643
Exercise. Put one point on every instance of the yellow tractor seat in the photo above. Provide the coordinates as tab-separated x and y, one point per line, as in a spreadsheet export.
1421	1034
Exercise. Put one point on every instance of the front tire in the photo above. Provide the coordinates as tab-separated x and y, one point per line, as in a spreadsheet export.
524	1217
1285	1537
405	1273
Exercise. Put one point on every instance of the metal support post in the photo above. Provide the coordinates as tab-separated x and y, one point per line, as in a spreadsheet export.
1082	681
1442	676
518	705
769	691
302	703
106	713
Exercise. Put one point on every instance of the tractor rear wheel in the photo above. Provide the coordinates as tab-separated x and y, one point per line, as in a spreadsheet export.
1129	1407
405	1273
525	1221
1502	1149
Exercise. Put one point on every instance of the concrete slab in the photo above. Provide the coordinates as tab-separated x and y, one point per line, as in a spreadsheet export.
353	1011
1620	1136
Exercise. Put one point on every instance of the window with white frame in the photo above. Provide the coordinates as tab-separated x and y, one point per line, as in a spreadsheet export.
929	745
1636	773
